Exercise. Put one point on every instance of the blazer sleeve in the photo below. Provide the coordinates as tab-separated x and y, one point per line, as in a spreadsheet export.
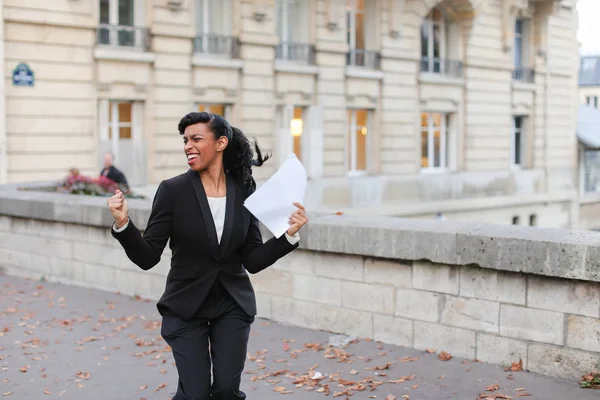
258	255
145	250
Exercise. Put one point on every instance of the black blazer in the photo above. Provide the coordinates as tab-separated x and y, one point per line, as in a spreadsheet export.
180	212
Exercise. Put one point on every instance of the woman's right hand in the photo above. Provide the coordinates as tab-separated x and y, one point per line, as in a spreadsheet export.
118	208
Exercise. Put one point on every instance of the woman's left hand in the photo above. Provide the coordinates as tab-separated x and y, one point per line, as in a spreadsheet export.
297	220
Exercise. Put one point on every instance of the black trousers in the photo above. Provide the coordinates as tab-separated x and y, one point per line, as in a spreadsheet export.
218	334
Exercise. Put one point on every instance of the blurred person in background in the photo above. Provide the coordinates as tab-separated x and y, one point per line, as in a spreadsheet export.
112	172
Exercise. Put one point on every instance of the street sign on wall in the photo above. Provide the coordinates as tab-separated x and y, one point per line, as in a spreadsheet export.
23	75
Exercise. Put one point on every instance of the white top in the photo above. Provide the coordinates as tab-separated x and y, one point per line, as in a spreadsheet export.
217	209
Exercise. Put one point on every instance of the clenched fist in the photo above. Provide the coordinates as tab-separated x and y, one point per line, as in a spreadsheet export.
118	208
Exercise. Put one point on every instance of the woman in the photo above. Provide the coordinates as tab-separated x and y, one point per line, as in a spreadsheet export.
208	296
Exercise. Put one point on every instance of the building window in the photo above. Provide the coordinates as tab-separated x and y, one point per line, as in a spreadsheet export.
291	23
518	50
516	220
120	119
121	132
120	122
591	101
292	131
359	14
521	71
119	25
296	130
434	139
433	42
533	220
591	171
517	142
358	130
214	28
224	110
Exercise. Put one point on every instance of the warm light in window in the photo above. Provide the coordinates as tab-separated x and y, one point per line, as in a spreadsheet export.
363	130
296	127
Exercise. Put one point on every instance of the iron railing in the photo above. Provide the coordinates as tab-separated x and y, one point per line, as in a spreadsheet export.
442	66
524	75
123	36
363	58
217	44
301	52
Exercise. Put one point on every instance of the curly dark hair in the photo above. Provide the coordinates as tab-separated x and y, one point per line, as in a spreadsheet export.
238	157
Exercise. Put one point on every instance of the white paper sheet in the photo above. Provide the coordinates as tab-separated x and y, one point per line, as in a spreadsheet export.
272	203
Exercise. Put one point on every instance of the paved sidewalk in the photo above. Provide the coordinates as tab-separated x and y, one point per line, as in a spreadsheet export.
66	342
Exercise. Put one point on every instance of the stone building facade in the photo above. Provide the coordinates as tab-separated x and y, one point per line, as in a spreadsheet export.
395	107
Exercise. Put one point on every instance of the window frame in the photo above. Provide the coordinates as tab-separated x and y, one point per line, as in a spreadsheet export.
285	31
351	153
203	11
140	33
227	108
513	142
351	13
518	50
109	121
444	140
429	23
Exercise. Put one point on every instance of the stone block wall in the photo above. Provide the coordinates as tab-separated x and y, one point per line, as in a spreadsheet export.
480	291
552	324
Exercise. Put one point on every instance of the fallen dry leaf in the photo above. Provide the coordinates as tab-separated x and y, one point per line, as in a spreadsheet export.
379	368
430	351
390	397
7	393
409	359
83	375
492	388
488	396
281	390
516	366
444	356
402	379
161	386
46	391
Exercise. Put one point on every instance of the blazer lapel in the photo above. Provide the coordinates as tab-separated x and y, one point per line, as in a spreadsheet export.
229	215
206	214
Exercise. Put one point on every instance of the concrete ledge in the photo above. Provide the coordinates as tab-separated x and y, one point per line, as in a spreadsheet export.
550	252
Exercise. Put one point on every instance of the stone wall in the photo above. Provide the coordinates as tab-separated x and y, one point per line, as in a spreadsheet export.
490	292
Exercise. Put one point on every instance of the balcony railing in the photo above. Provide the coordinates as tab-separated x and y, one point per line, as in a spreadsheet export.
301	52
442	66
526	75
363	58
123	36
225	46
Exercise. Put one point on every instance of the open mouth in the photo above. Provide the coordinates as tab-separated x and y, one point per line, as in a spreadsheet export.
192	157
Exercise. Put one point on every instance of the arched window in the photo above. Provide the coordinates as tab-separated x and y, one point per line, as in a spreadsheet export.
433	41
441	42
